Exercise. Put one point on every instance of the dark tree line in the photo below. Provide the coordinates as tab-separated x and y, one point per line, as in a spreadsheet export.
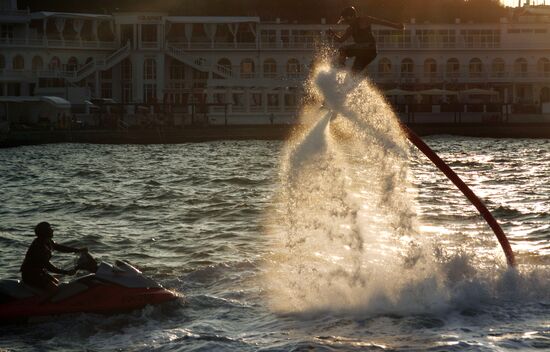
291	10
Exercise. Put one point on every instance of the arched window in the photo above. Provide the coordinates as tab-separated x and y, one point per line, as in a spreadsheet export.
37	63
430	68
72	64
384	67
452	68
476	68
498	68
543	67
150	69
224	65
247	68
54	64
270	68
293	68
520	67
18	63
2	62
407	68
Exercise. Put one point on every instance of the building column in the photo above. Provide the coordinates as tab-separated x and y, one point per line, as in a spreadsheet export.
161	61
137	78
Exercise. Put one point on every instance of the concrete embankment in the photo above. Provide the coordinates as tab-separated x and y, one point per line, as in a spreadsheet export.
191	134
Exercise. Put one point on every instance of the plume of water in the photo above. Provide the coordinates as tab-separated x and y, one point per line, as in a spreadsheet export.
345	204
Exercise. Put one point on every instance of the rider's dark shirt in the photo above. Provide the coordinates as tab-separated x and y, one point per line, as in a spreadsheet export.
39	254
361	31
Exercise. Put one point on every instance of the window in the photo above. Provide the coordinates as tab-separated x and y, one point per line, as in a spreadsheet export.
225	66
407	68
126	69
481	38
387	38
543	67
18	63
72	64
177	70
476	68
293	68
269	38
6	31
37	63
55	63
432	38
106	90
2	62
452	69
150	93
520	67
150	69
498	68
126	92
270	68
247	68
384	67
272	101
430	68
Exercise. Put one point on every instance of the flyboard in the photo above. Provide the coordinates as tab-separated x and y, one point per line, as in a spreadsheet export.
451	175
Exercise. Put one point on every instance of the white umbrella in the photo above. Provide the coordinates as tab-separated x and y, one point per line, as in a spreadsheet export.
477	91
437	92
399	92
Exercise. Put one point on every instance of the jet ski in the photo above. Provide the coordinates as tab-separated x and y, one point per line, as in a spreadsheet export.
107	289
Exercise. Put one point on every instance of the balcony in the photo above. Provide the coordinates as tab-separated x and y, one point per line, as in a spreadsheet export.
43	42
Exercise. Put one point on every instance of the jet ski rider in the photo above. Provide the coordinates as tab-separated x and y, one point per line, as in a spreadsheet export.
36	264
364	46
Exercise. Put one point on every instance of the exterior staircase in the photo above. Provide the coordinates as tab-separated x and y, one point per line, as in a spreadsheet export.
199	63
99	64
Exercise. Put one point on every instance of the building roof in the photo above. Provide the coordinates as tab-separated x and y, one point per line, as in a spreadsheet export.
212	19
55	101
90	16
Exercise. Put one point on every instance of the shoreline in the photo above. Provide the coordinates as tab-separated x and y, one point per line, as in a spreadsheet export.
194	134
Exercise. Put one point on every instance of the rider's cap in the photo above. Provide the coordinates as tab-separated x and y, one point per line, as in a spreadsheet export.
42	229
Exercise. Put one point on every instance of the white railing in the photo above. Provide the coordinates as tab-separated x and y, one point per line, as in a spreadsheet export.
55	43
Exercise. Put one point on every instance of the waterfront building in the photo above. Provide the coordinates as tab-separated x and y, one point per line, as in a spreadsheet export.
245	70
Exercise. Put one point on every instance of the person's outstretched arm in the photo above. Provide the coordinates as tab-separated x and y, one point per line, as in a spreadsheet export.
52	268
385	23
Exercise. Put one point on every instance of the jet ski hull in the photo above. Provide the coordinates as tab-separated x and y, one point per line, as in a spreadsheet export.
101	298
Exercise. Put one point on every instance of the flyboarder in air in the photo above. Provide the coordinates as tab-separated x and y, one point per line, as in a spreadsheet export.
364	46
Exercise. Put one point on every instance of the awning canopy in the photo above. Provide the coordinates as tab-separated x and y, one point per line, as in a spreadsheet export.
212	19
477	91
55	101
437	92
73	15
400	92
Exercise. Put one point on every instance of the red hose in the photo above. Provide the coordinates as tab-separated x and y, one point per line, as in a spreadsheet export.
451	175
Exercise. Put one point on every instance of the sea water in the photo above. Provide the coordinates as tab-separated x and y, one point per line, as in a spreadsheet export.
344	238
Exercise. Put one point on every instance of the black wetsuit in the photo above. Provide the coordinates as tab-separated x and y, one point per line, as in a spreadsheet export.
364	48
35	267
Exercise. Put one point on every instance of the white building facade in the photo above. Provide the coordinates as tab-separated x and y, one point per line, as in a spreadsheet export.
244	68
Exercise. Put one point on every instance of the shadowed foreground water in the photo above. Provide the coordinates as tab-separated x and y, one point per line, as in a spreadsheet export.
193	217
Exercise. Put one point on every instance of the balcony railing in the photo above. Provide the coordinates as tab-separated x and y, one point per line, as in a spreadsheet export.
55	43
